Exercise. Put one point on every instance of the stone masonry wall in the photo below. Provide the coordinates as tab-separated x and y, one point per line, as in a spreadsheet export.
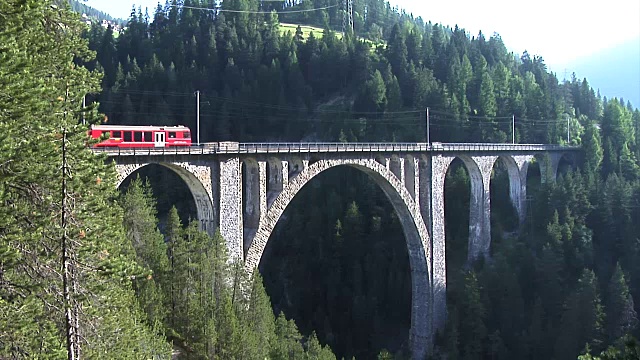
439	165
230	204
418	243
480	246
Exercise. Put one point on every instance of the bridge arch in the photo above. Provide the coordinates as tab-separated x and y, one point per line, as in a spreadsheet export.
550	162
198	180
515	166
415	231
478	244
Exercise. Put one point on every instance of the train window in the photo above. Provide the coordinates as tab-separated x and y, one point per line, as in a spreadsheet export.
147	136
116	134
186	135
104	133
137	136
172	134
127	136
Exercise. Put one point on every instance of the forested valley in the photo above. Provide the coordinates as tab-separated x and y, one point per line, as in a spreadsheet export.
108	274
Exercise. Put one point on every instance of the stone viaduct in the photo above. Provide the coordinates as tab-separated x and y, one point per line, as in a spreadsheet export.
244	188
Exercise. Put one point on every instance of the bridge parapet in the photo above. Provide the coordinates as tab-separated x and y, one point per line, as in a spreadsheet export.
485	147
289	148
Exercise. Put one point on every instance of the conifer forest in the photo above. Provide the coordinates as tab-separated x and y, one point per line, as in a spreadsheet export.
88	271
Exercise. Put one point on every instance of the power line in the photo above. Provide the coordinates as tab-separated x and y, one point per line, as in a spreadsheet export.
219	9
259	104
147	92
256	115
254	110
473	116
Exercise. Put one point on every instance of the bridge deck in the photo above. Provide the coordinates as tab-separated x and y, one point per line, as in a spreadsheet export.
268	148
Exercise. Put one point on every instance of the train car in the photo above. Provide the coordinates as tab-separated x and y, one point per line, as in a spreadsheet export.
128	136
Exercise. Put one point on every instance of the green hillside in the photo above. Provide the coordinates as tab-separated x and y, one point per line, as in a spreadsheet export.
318	32
306	30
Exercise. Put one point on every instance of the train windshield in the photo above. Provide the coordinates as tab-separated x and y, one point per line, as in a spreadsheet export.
187	135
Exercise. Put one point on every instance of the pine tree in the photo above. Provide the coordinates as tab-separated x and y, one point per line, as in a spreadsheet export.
373	96
592	146
397	49
621	316
627	348
315	351
183	272
425	88
394	96
617	126
174	239
259	322
472	316
506	306
288	345
487	104
140	224
66	266
629	167
582	321
353	224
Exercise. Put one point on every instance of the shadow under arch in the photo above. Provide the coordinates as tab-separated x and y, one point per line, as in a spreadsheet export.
201	197
478	243
566	162
414	229
554	164
517	177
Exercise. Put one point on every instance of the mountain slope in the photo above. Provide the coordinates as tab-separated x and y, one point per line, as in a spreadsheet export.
614	72
81	8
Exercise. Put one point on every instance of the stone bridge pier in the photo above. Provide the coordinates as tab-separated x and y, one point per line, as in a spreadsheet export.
245	193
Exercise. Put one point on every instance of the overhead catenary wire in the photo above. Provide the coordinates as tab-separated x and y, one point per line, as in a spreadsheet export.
473	116
206	97
254	111
220	9
262	117
255	114
453	117
148	92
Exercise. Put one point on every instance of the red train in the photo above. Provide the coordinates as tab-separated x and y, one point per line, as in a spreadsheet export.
128	136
